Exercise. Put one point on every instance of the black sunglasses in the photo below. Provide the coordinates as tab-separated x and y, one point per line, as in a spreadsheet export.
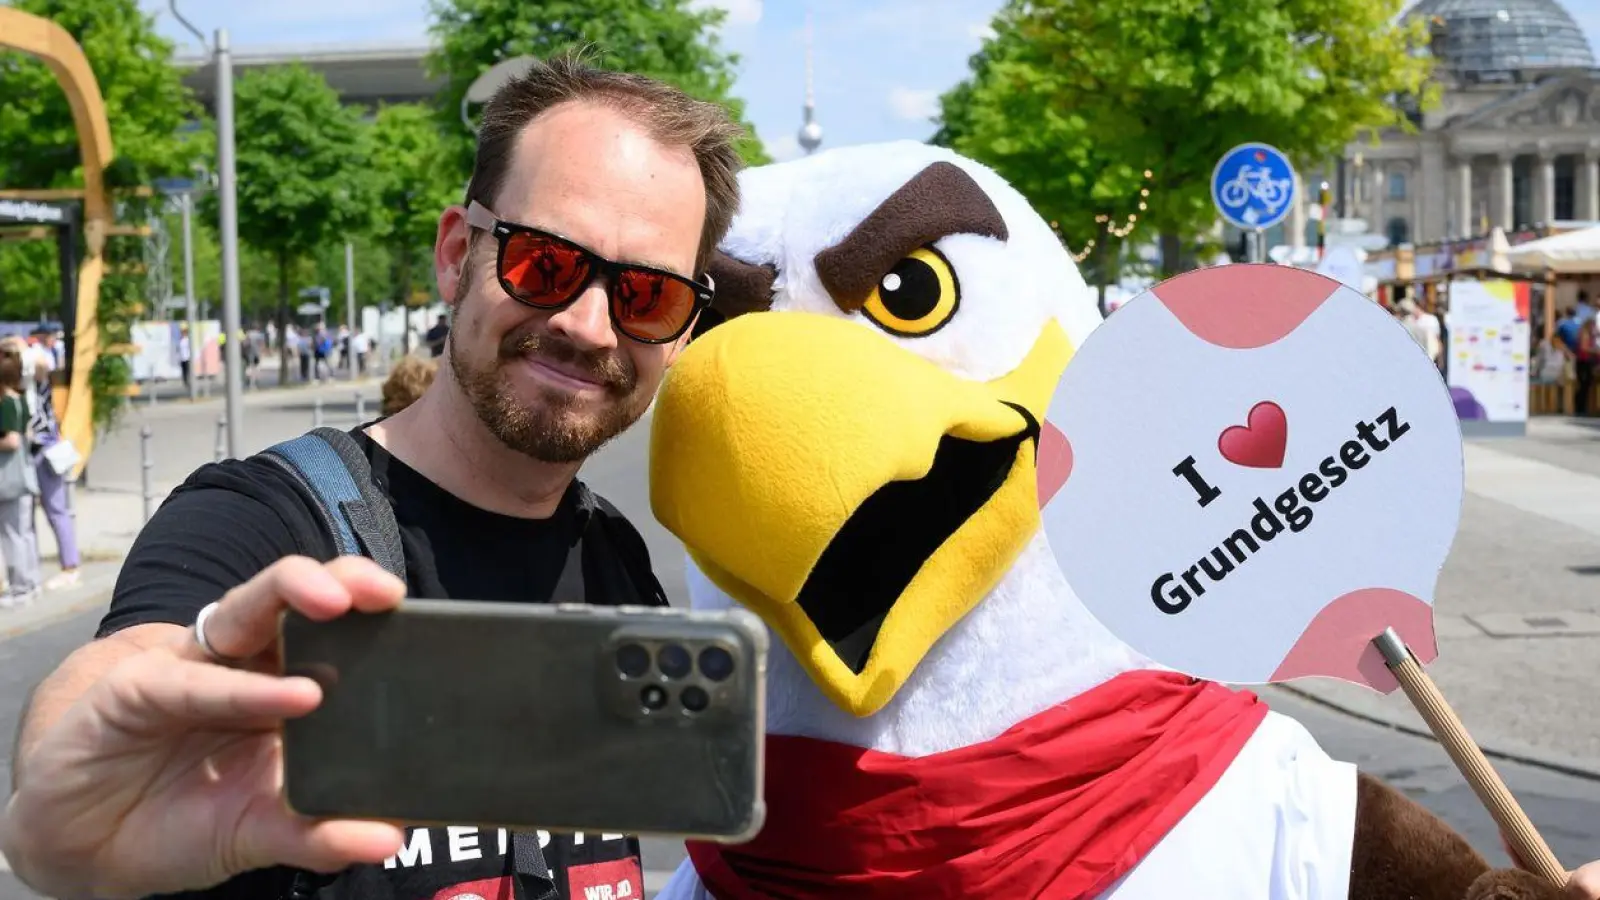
549	272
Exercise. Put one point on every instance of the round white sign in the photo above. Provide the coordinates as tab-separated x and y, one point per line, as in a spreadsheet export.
1264	472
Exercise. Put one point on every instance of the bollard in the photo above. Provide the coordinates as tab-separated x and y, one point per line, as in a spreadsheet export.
222	438
361	408
316	413
145	465
152	385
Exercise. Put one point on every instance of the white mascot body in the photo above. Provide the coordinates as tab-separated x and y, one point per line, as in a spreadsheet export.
857	462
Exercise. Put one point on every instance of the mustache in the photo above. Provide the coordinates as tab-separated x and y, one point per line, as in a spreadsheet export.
605	366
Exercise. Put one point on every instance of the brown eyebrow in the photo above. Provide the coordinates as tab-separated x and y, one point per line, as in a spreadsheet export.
941	200
741	287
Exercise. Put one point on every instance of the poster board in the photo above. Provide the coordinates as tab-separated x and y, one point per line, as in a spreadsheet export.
1489	355
157	359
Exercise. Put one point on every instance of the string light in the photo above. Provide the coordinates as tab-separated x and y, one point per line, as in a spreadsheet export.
1117	231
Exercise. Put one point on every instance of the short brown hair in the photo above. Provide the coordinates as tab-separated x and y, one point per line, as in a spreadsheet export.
11	371
408	381
671	116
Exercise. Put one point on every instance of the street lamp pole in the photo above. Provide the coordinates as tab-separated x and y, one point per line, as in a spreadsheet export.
350	306
228	196
229	203
188	291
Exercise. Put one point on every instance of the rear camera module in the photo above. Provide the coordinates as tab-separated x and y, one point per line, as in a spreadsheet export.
694	699
633	661
716	663
654	697
674	661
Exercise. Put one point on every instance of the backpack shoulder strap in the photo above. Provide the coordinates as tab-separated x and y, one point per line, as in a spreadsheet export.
332	468
599	520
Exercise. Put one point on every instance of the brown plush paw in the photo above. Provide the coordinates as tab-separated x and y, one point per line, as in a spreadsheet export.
1512	884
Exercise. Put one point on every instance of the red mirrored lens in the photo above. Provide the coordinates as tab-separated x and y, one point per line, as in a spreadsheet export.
651	306
540	271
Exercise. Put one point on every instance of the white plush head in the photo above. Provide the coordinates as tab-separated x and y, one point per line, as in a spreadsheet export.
856	461
791	210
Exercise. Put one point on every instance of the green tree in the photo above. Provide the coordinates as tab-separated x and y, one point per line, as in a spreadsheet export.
674	41
305	180
1171	85
1085	193
147	106
419	179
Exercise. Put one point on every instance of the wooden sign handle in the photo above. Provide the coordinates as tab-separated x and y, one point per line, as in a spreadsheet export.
1519	832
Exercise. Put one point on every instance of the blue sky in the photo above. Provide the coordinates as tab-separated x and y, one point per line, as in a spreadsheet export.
880	64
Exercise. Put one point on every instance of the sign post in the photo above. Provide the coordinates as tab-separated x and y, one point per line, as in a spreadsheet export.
184	189
1253	188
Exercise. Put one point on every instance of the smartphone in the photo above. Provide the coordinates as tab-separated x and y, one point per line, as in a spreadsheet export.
631	720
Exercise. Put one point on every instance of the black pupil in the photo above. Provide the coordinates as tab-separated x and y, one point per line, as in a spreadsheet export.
915	294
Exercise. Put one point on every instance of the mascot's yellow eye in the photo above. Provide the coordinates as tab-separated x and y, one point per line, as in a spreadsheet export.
916	297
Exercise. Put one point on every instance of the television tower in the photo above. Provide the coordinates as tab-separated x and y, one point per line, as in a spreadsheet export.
810	131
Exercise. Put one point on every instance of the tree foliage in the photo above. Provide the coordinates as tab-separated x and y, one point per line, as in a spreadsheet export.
1171	85
147	106
674	41
418	181
305	179
146	101
1006	116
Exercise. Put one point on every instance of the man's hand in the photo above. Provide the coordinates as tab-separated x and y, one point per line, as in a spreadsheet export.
166	774
1585	882
1582	884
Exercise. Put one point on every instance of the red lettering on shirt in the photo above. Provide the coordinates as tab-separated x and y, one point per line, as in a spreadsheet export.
620	879
502	888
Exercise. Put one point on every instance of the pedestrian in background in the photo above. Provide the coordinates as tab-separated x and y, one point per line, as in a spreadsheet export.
18	486
410	379
1588	359
54	458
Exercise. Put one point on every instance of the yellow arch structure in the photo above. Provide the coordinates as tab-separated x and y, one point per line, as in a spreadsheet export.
52	44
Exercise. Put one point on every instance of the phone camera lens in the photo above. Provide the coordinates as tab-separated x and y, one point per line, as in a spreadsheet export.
633	660
716	663
654	697
695	699
674	661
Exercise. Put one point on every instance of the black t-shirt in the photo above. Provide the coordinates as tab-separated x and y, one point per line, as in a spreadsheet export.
230	520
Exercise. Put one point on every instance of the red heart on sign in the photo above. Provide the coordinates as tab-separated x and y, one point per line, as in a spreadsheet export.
1261	442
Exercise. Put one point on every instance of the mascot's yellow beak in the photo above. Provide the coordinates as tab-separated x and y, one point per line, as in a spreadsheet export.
856	496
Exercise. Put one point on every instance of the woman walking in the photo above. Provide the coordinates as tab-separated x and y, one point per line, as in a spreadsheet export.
19	484
54	458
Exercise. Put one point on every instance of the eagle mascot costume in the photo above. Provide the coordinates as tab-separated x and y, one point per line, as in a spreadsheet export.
853	451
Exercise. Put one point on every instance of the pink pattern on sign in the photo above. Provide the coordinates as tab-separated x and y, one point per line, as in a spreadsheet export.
1055	461
1242	307
1338	642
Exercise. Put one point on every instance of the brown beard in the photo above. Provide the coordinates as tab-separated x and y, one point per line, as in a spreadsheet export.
552	429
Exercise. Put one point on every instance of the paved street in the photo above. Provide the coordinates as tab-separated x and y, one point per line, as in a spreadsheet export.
1509	557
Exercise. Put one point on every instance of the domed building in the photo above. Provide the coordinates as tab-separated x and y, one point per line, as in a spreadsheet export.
1503	40
1513	143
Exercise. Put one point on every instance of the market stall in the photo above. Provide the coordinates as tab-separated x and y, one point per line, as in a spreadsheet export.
1569	264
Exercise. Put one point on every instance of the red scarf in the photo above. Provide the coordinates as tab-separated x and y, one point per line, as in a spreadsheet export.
1060	806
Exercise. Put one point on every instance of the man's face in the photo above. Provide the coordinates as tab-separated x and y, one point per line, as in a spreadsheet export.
558	385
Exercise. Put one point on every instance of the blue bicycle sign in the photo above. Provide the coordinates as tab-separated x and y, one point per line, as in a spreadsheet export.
1253	186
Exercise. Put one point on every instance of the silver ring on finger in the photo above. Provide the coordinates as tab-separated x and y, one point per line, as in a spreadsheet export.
205	645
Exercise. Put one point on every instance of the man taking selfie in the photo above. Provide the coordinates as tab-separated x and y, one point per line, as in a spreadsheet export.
148	761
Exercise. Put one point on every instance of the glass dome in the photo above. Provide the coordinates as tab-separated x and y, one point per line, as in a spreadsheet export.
1493	40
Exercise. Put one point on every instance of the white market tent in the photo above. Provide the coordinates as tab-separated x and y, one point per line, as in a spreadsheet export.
1572	253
